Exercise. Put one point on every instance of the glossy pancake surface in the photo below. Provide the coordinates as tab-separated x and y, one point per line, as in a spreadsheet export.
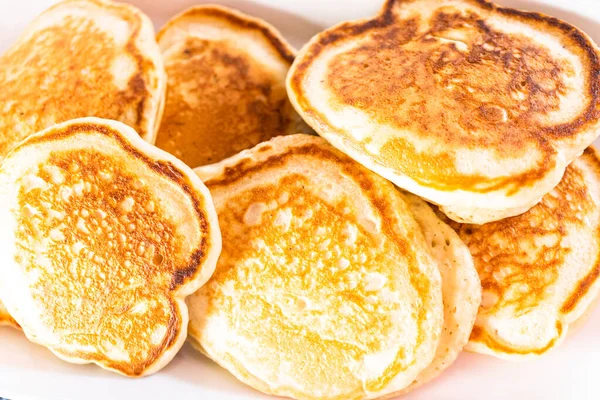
79	59
472	106
226	85
104	236
539	270
325	288
461	289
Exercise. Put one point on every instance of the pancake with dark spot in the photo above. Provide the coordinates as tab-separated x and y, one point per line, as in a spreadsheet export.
80	59
226	85
475	107
539	270
103	237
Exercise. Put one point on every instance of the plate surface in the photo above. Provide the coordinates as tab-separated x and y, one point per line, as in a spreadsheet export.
31	372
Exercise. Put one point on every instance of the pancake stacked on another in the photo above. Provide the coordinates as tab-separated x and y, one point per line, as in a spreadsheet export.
226	85
78	59
540	271
103	237
479	109
461	289
328	285
332	282
81	58
472	106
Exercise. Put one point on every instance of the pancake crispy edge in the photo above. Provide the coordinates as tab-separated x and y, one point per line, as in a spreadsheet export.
226	84
78	59
105	237
539	270
5	318
461	289
250	317
476	107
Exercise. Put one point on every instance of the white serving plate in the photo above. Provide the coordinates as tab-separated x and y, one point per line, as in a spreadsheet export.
28	371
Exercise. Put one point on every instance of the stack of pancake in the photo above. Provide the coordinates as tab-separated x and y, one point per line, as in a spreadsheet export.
153	190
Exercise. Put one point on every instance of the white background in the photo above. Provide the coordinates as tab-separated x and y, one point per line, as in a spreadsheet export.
571	371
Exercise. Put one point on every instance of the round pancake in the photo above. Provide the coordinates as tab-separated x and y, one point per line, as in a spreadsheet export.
104	236
81	58
461	288
472	106
226	84
325	288
5	318
539	270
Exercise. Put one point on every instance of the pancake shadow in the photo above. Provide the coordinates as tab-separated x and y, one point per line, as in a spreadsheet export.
296	29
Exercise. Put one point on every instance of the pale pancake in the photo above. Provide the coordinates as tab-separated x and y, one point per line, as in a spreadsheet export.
461	288
226	85
79	59
5	318
539	270
103	237
325	288
472	106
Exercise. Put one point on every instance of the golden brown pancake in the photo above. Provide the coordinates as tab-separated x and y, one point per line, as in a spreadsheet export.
78	59
539	270
325	288
103	237
475	107
226	84
5	318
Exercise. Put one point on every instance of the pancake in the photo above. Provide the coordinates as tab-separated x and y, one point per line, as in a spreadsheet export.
539	270
104	236
226	84
78	59
325	288
461	289
5	318
474	107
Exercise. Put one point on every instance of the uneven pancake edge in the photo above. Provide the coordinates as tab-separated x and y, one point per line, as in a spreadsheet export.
461	289
589	118
236	19
386	17
150	77
185	280
6	319
575	306
271	155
